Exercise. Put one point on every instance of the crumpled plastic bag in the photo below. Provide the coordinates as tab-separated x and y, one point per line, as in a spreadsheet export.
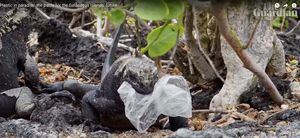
170	97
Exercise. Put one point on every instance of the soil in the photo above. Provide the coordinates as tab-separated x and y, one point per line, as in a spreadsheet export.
291	45
58	46
259	98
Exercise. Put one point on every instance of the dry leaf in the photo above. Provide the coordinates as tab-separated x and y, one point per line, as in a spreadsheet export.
60	76
242	107
252	114
284	106
57	66
228	121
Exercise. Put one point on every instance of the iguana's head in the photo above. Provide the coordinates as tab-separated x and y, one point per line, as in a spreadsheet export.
141	73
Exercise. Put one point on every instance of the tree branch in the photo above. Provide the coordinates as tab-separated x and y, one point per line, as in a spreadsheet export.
231	37
252	34
294	28
40	11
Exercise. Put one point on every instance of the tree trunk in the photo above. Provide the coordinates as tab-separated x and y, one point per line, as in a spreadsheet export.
199	70
266	50
206	27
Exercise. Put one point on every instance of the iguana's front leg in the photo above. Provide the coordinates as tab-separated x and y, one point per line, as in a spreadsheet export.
93	108
31	72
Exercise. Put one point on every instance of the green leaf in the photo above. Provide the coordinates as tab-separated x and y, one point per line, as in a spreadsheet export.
162	39
294	62
276	22
117	16
176	8
97	11
151	9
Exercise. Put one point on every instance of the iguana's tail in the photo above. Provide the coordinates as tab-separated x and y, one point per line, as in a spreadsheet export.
109	60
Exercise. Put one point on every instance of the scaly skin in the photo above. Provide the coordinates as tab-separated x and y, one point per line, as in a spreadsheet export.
105	106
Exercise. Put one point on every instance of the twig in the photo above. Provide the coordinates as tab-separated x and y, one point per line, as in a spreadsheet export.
88	24
143	23
293	29
253	33
158	64
74	19
232	39
127	35
172	56
108	41
213	47
191	67
174	49
138	32
64	8
248	111
128	31
40	11
125	40
242	116
167	62
99	27
93	77
271	115
82	18
206	111
105	26
85	25
105	40
194	93
206	56
80	73
283	21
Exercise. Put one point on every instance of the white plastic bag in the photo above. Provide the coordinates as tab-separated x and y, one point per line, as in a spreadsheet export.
170	97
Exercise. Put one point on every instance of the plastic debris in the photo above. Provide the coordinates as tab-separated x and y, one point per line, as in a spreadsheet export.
170	97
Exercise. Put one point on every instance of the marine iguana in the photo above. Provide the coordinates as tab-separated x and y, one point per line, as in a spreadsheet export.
16	26
102	106
14	58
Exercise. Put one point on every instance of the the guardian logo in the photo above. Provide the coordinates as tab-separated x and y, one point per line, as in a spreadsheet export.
269	10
